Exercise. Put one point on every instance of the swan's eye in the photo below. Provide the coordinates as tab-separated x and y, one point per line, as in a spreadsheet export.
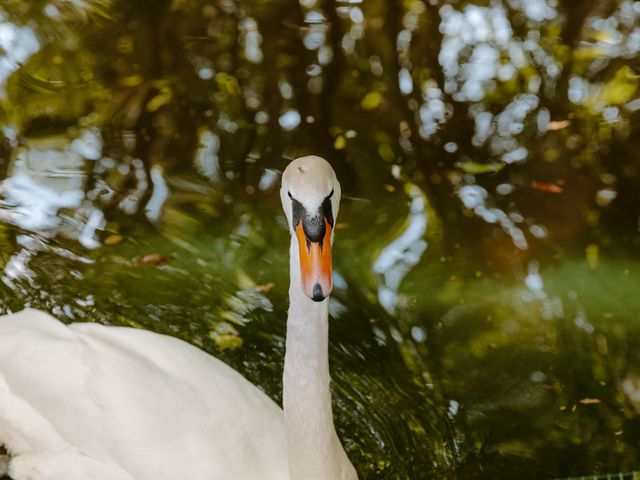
289	193
331	194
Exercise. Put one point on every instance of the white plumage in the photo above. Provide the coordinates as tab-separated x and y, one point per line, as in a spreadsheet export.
128	404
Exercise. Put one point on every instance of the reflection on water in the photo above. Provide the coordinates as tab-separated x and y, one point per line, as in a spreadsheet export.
47	177
399	256
139	180
18	44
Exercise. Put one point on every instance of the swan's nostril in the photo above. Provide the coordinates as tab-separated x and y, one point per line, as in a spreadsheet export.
318	296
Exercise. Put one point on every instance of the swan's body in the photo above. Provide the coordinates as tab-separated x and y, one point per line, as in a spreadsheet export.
89	402
138	404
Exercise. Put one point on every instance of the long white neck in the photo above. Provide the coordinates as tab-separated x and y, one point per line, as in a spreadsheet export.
315	452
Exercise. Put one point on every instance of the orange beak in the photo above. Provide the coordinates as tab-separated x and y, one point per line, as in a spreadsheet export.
315	264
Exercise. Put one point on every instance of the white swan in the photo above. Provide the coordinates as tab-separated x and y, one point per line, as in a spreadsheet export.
90	402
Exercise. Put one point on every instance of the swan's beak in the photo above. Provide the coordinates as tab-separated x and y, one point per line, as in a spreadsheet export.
315	264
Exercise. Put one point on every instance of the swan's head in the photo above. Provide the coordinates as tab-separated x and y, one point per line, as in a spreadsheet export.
310	195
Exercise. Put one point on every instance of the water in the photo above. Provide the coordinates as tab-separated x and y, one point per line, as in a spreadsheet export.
485	317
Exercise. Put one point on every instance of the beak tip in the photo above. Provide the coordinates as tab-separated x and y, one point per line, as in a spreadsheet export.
318	295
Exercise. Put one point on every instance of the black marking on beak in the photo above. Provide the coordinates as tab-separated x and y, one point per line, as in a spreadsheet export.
314	228
312	224
318	296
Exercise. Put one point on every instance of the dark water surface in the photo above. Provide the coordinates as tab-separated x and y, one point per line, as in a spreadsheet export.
485	315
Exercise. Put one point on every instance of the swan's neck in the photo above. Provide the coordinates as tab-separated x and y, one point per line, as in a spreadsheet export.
314	449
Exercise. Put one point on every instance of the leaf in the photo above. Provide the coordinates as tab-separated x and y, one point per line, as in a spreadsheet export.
547	187
556	125
371	101
225	341
226	337
266	288
113	240
153	259
340	142
476	168
590	401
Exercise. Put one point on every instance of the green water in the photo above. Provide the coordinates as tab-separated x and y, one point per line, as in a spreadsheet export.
485	317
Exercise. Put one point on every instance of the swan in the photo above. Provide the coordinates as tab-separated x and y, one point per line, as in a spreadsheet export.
92	402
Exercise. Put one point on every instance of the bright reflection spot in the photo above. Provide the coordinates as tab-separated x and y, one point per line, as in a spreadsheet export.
474	198
538	376
129	204
484	126
336	307
10	133
578	89
542	120
633	105
286	90
581	321
226	124
51	11
206	157
17	45
454	406
375	65
354	14
314	38
511	120
533	280
17	268
41	183
536	10
504	189
315	35
538	231
617	35
261	117
88	145
95	221
418	334
451	147
405	81
403	253
432	111
509	123
289	120
251	38
314	70
611	114
517	155
268	180
339	281
605	196
325	55
486	31
314	16
206	73
159	195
